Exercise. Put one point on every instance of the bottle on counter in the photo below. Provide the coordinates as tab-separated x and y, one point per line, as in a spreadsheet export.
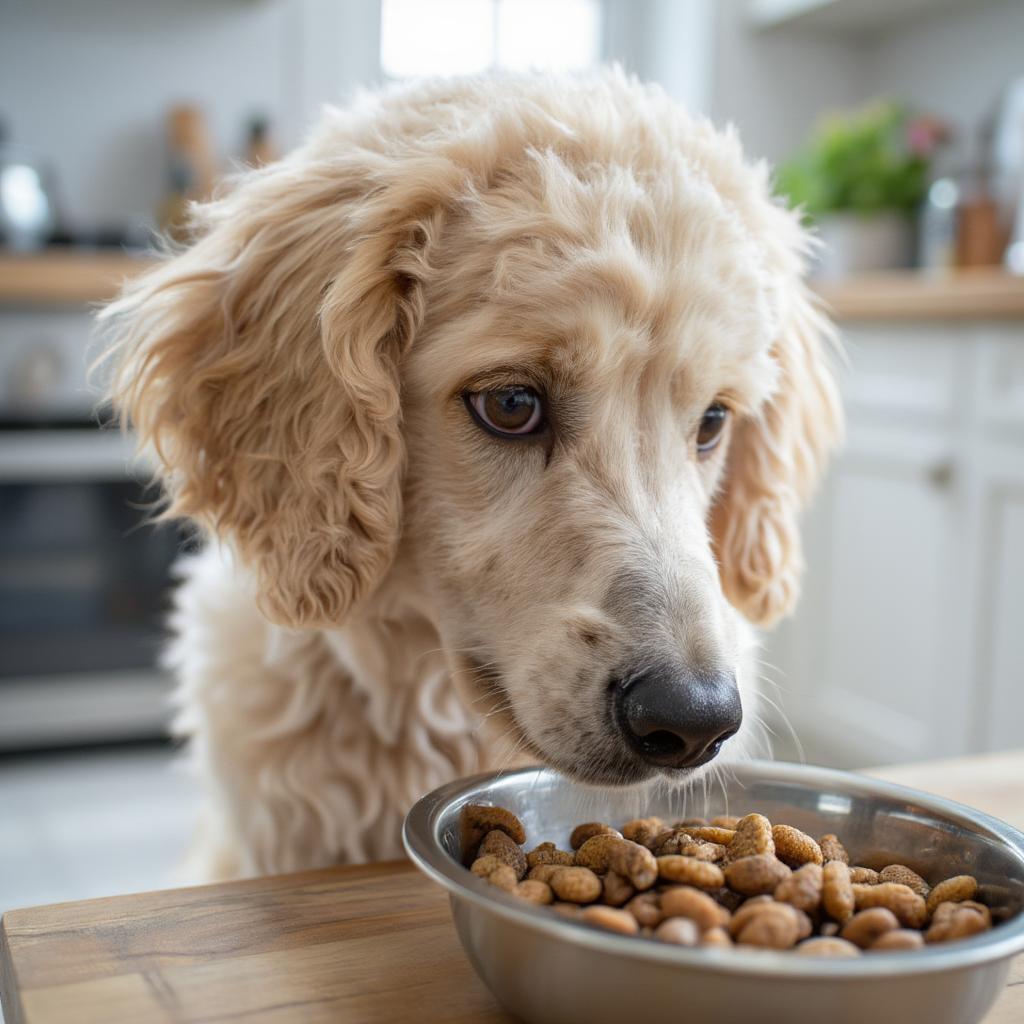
191	169
937	226
259	148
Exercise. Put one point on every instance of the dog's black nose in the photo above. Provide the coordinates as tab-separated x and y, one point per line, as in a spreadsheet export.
675	718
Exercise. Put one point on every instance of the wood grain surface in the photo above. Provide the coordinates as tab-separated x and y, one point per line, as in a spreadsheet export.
65	276
57	276
983	293
372	943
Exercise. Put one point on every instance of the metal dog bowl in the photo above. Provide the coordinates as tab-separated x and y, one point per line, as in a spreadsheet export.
549	970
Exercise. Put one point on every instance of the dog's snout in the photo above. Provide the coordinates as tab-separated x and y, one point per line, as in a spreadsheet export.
676	718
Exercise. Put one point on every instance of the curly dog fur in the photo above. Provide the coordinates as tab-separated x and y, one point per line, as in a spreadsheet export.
388	591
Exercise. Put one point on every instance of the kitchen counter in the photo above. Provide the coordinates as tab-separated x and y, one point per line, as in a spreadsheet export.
371	943
68	276
977	294
65	276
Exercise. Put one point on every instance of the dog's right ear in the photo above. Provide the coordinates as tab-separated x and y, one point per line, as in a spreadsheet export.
260	367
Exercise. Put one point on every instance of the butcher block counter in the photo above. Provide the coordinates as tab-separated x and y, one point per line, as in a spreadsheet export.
372	943
63	276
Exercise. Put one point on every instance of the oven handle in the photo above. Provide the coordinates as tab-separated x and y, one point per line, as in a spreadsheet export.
58	456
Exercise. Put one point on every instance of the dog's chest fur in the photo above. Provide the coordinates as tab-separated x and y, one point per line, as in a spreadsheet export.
314	743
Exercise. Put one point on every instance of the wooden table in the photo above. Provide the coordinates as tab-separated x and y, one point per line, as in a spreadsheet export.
369	943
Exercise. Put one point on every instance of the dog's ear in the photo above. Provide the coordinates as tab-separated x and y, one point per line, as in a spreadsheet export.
775	460
261	368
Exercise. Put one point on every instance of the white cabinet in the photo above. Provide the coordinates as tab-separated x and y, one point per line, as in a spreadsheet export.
909	640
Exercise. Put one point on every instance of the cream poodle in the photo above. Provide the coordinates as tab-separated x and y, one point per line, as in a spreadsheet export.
497	402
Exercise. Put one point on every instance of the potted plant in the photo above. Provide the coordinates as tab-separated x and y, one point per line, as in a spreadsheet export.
860	179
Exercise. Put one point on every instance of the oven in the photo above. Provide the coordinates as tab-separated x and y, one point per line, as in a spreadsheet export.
84	574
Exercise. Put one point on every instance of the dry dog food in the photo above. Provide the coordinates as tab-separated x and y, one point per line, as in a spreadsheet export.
725	882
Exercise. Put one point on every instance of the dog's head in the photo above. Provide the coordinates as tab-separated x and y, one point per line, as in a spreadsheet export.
544	342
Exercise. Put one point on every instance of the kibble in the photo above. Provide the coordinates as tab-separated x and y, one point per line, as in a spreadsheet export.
733	881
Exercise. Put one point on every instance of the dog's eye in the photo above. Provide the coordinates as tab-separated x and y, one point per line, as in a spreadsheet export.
508	412
711	426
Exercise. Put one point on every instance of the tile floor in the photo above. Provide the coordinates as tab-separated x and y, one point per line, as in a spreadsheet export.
95	823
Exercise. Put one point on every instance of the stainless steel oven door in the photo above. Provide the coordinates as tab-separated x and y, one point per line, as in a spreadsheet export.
84	581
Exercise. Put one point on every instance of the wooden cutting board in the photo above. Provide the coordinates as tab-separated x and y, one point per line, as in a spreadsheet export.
367	944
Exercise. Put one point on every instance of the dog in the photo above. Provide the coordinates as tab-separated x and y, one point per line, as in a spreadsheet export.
497	402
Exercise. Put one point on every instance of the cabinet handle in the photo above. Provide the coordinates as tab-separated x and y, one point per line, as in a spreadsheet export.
941	474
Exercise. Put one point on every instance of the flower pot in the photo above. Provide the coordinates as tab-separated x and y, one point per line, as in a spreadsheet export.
852	243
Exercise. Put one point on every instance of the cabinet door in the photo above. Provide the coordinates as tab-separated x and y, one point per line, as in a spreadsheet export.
866	660
994	673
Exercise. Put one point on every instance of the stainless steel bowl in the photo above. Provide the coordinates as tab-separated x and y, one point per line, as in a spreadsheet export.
550	970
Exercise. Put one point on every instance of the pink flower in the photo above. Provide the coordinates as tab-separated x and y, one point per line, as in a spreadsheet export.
924	134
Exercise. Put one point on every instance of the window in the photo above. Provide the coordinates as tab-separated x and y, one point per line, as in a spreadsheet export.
432	37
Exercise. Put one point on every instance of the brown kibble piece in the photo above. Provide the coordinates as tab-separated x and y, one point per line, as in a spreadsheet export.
699	907
837	891
646	908
864	928
864	876
794	847
483	866
712	834
713	853
947	909
534	892
753	836
678	841
716	937
829	929
690	871
548	853
503	877
726	821
596	851
953	890
772	926
832	849
680	931
756	875
688	823
903	875
543	872
610	919
741	917
498	844
825	946
576	885
802	889
635	862
898	939
476	820
642	830
581	833
616	889
670	841
960	922
908	907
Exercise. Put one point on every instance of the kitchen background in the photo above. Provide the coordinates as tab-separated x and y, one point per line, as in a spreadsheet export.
909	641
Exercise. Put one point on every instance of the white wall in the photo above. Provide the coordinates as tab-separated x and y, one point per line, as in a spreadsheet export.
774	85
73	69
956	64
63	61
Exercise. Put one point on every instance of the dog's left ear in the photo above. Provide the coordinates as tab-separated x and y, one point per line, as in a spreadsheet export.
775	460
261	366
